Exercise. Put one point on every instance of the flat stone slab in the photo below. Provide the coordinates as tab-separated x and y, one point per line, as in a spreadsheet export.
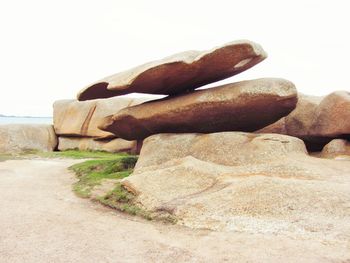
242	106
180	72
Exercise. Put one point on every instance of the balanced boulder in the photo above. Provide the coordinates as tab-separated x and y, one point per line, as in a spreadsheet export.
15	138
180	72
242	106
76	118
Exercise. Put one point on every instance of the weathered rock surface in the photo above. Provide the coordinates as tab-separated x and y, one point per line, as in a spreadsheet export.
337	148
89	144
316	119
180	72
15	138
332	118
241	106
225	148
299	121
77	118
255	183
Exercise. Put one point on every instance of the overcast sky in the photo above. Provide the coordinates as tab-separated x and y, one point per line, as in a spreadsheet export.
52	49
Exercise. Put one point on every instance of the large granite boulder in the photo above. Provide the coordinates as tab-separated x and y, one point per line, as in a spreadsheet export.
81	118
299	121
89	144
224	148
316	120
242	106
253	183
15	138
337	148
180	72
332	118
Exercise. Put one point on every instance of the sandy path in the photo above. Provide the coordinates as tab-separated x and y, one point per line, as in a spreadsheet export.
41	220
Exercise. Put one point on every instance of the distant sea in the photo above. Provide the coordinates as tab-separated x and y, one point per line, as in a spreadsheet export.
22	120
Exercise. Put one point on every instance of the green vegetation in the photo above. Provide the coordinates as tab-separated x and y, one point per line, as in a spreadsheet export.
4	157
72	154
109	166
122	200
76	154
15	155
91	173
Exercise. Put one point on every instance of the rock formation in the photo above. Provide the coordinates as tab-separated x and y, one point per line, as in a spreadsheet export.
16	138
316	120
81	118
195	165
243	182
337	148
241	106
180	72
224	148
76	124
332	118
299	121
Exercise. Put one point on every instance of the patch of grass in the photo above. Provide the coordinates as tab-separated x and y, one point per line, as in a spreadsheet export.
119	198
15	155
76	154
91	173
5	156
71	154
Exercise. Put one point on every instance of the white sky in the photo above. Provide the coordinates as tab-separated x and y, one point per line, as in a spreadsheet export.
49	50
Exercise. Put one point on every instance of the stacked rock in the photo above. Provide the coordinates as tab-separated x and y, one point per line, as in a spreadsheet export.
228	157
243	106
209	157
76	122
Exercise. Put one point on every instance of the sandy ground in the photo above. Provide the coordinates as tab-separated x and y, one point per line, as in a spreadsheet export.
41	220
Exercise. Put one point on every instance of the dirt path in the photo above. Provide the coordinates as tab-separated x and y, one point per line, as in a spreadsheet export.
41	220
